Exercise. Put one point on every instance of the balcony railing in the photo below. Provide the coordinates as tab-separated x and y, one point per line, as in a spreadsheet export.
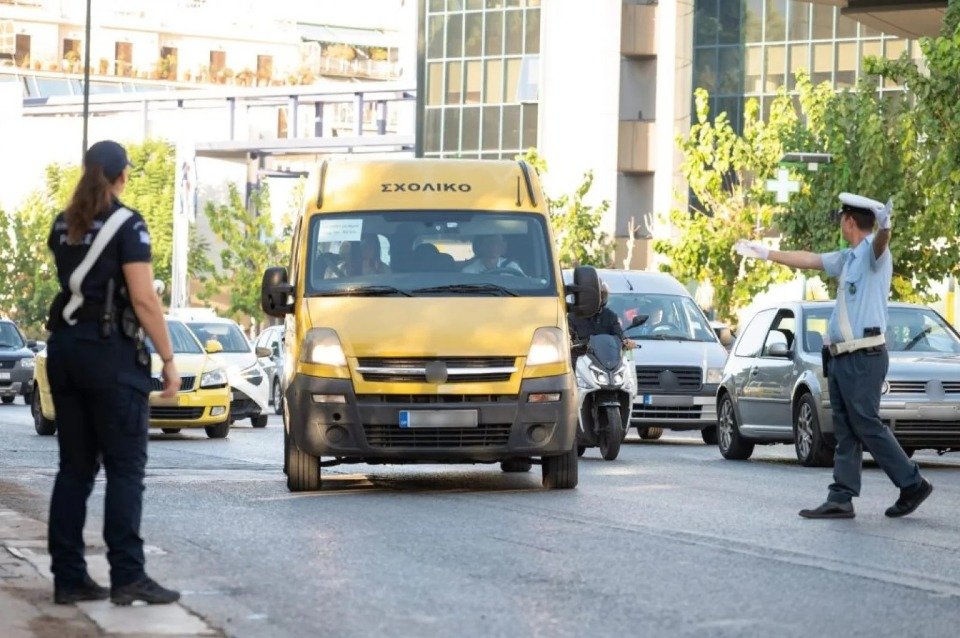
636	147
372	69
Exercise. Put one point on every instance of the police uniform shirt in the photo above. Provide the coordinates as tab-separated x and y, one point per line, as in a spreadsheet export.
130	244
864	281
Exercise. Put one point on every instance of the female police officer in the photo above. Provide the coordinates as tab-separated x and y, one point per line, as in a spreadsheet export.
99	375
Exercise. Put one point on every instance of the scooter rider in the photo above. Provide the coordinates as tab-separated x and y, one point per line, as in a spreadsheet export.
604	322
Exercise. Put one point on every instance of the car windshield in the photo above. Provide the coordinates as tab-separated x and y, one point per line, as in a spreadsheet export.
419	253
227	334
181	339
669	317
908	330
10	337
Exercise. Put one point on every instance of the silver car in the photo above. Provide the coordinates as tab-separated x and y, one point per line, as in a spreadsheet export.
272	339
773	389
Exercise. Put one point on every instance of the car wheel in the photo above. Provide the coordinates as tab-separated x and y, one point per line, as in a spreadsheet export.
812	450
560	472
303	470
651	434
516	465
170	430
7	400
43	425
709	435
259	421
732	445
218	431
277	397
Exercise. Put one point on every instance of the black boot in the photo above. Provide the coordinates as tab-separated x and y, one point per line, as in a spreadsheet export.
910	499
87	590
146	590
830	510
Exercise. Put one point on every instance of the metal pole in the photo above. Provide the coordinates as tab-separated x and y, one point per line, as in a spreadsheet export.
86	82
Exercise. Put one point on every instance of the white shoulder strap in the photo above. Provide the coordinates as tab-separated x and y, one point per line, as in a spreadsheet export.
107	232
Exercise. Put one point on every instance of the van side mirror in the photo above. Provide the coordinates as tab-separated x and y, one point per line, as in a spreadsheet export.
275	291
585	291
213	346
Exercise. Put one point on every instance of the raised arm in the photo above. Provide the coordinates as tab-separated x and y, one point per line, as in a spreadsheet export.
792	258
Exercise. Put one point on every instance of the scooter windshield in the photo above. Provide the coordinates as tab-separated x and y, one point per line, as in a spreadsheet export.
605	351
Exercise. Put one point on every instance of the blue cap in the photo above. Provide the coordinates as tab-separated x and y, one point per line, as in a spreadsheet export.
109	156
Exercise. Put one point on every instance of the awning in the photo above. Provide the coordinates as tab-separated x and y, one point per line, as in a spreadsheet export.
329	34
905	18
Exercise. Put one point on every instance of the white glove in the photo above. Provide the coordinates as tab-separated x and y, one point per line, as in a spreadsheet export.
883	215
752	249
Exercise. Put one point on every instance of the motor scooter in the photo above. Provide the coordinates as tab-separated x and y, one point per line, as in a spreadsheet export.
606	388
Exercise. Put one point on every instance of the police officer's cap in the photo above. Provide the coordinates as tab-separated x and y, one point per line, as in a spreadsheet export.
857	205
109	156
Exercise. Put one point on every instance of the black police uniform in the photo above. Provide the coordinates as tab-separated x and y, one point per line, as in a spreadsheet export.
100	387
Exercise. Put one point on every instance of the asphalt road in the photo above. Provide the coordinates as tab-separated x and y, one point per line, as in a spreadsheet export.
669	540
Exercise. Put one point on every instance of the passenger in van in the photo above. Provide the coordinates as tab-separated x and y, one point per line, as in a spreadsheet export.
370	262
358	258
489	251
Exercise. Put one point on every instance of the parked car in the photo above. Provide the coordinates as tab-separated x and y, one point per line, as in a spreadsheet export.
16	363
251	393
773	389
272	339
202	402
679	361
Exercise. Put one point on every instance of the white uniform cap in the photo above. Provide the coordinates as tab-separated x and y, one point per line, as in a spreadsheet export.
859	201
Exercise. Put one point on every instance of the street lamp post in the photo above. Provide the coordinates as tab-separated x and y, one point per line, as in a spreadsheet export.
86	82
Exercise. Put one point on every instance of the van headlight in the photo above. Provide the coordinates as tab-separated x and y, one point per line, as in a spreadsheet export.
714	375
322	345
546	347
213	379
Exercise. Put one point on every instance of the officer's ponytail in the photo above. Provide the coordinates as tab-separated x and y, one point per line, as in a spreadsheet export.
91	197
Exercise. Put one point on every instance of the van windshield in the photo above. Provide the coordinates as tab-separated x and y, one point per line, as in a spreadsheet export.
429	253
669	317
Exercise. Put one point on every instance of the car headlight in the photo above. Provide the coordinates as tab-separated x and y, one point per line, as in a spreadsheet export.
547	347
213	379
885	388
27	363
253	374
714	375
322	345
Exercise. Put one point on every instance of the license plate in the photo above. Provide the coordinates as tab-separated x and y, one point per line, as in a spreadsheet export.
4	376
439	418
648	399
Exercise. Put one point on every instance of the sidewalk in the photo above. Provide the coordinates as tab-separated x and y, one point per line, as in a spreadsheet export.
26	594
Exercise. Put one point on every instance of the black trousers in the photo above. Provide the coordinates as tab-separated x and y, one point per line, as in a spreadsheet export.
100	398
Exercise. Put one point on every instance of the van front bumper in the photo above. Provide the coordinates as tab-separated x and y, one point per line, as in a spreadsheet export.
327	418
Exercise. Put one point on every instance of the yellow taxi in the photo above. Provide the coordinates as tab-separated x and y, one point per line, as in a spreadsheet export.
202	402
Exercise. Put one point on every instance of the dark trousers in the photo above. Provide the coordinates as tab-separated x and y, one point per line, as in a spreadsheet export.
99	419
855	382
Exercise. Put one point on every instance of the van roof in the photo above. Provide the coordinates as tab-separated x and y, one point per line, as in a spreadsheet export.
418	184
640	281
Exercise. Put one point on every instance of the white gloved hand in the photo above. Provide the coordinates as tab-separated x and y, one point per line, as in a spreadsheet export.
752	249
883	215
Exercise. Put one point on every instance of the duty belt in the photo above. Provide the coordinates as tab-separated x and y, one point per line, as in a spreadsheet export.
846	347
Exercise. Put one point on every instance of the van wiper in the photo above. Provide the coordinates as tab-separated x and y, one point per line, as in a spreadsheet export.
363	291
469	288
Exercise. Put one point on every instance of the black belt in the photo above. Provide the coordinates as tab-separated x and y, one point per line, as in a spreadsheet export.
88	312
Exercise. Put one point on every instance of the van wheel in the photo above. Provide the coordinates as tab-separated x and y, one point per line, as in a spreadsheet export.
171	430
560	472
286	449
651	434
709	435
516	465
732	445
43	425
808	441
218	431
259	421
303	470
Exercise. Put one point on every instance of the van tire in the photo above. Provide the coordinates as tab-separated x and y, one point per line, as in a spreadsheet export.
43	425
303	470
218	431
516	465
732	445
560	472
651	434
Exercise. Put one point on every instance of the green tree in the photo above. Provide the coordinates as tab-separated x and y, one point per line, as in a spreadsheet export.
727	174
576	224
250	245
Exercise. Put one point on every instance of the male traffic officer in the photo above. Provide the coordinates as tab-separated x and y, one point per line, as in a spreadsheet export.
857	357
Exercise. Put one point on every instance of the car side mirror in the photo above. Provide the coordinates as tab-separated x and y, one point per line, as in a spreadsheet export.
275	291
778	350
263	353
32	344
639	320
585	291
213	346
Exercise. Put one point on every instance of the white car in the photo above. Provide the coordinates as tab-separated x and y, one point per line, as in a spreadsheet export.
251	391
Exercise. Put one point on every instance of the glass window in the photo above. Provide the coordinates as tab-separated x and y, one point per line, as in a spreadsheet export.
871	47
436	5
454	5
182	340
432	253
431	130
529	125
50	87
799	27
451	129
706	24
822	62
869	32
495	4
511	127
846	27
669	317
753	20
473	36
474	4
705	69
895	48
776	68
10	337
822	22
532	32
514	28
435	37
754	67
455	36
751	339
491	128
513	79
471	129
846	65
731	75
493	85
494	34
729	23
454	82
776	21
435	83
799	59
474	82
227	334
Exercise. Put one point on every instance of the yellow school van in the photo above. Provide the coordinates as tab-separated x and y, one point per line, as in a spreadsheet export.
425	321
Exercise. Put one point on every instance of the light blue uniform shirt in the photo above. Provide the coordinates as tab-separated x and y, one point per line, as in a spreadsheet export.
865	285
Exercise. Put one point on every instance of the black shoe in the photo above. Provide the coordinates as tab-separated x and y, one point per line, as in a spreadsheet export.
146	590
830	510
87	590
910	499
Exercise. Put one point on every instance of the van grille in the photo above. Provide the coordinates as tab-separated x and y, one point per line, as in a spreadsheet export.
669	379
459	369
393	436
